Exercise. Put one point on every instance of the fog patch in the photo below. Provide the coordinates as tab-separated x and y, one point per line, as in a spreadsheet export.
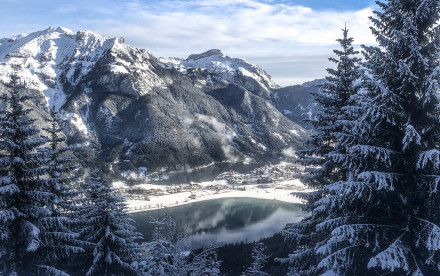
226	135
289	152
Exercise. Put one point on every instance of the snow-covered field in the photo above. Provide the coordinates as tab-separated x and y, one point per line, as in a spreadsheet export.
274	191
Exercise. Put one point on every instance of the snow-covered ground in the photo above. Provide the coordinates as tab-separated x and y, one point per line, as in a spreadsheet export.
274	191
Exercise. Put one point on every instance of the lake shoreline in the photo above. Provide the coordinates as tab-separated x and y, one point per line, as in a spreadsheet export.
281	191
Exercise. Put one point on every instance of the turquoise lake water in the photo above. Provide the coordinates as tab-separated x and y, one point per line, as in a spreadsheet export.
225	220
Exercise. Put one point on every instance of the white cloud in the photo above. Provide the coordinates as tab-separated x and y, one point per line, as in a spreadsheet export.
235	26
226	135
240	28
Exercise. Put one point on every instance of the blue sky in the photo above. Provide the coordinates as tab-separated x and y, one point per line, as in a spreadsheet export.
291	39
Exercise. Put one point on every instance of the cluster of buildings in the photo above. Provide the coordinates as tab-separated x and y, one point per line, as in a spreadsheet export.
263	175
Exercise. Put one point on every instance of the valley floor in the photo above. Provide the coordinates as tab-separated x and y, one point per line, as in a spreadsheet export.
167	196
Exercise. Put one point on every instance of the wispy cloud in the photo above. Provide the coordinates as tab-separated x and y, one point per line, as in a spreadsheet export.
235	26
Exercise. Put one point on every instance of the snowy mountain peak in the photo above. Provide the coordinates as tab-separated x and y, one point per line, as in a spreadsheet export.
51	58
233	70
85	35
43	56
65	30
209	53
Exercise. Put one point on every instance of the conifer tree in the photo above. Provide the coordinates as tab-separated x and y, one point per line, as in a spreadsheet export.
259	259
332	97
163	255
61	242
107	227
158	252
385	217
23	197
322	159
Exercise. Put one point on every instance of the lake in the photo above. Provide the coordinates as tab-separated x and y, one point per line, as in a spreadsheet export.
225	220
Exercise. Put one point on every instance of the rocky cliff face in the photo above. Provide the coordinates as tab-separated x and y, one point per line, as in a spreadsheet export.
296	102
123	106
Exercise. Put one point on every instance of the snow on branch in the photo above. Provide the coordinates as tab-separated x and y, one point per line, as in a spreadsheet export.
392	258
32	232
337	259
429	157
435	188
411	136
9	189
7	216
405	71
433	240
433	184
353	232
52	271
382	179
297	256
331	223
326	203
378	153
370	80
349	188
433	86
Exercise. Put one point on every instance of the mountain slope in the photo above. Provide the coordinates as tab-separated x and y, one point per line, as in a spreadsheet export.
232	70
296	102
120	105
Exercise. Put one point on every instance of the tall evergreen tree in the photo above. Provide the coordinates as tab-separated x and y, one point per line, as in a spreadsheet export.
332	97
60	240
159	255
385	216
322	159
107	227
23	198
163	255
259	259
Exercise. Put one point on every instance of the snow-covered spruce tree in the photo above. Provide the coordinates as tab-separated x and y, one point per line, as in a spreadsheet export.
259	259
385	218
322	157
107	226
165	254
331	98
60	242
23	197
158	258
204	263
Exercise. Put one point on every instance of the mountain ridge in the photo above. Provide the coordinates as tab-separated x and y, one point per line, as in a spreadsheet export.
123	106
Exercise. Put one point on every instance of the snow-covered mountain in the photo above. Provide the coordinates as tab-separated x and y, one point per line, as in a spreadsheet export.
232	70
122	106
49	60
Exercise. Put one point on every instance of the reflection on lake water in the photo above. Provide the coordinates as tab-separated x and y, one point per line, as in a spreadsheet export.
226	220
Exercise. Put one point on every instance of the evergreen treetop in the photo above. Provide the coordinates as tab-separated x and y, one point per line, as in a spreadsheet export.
324	158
